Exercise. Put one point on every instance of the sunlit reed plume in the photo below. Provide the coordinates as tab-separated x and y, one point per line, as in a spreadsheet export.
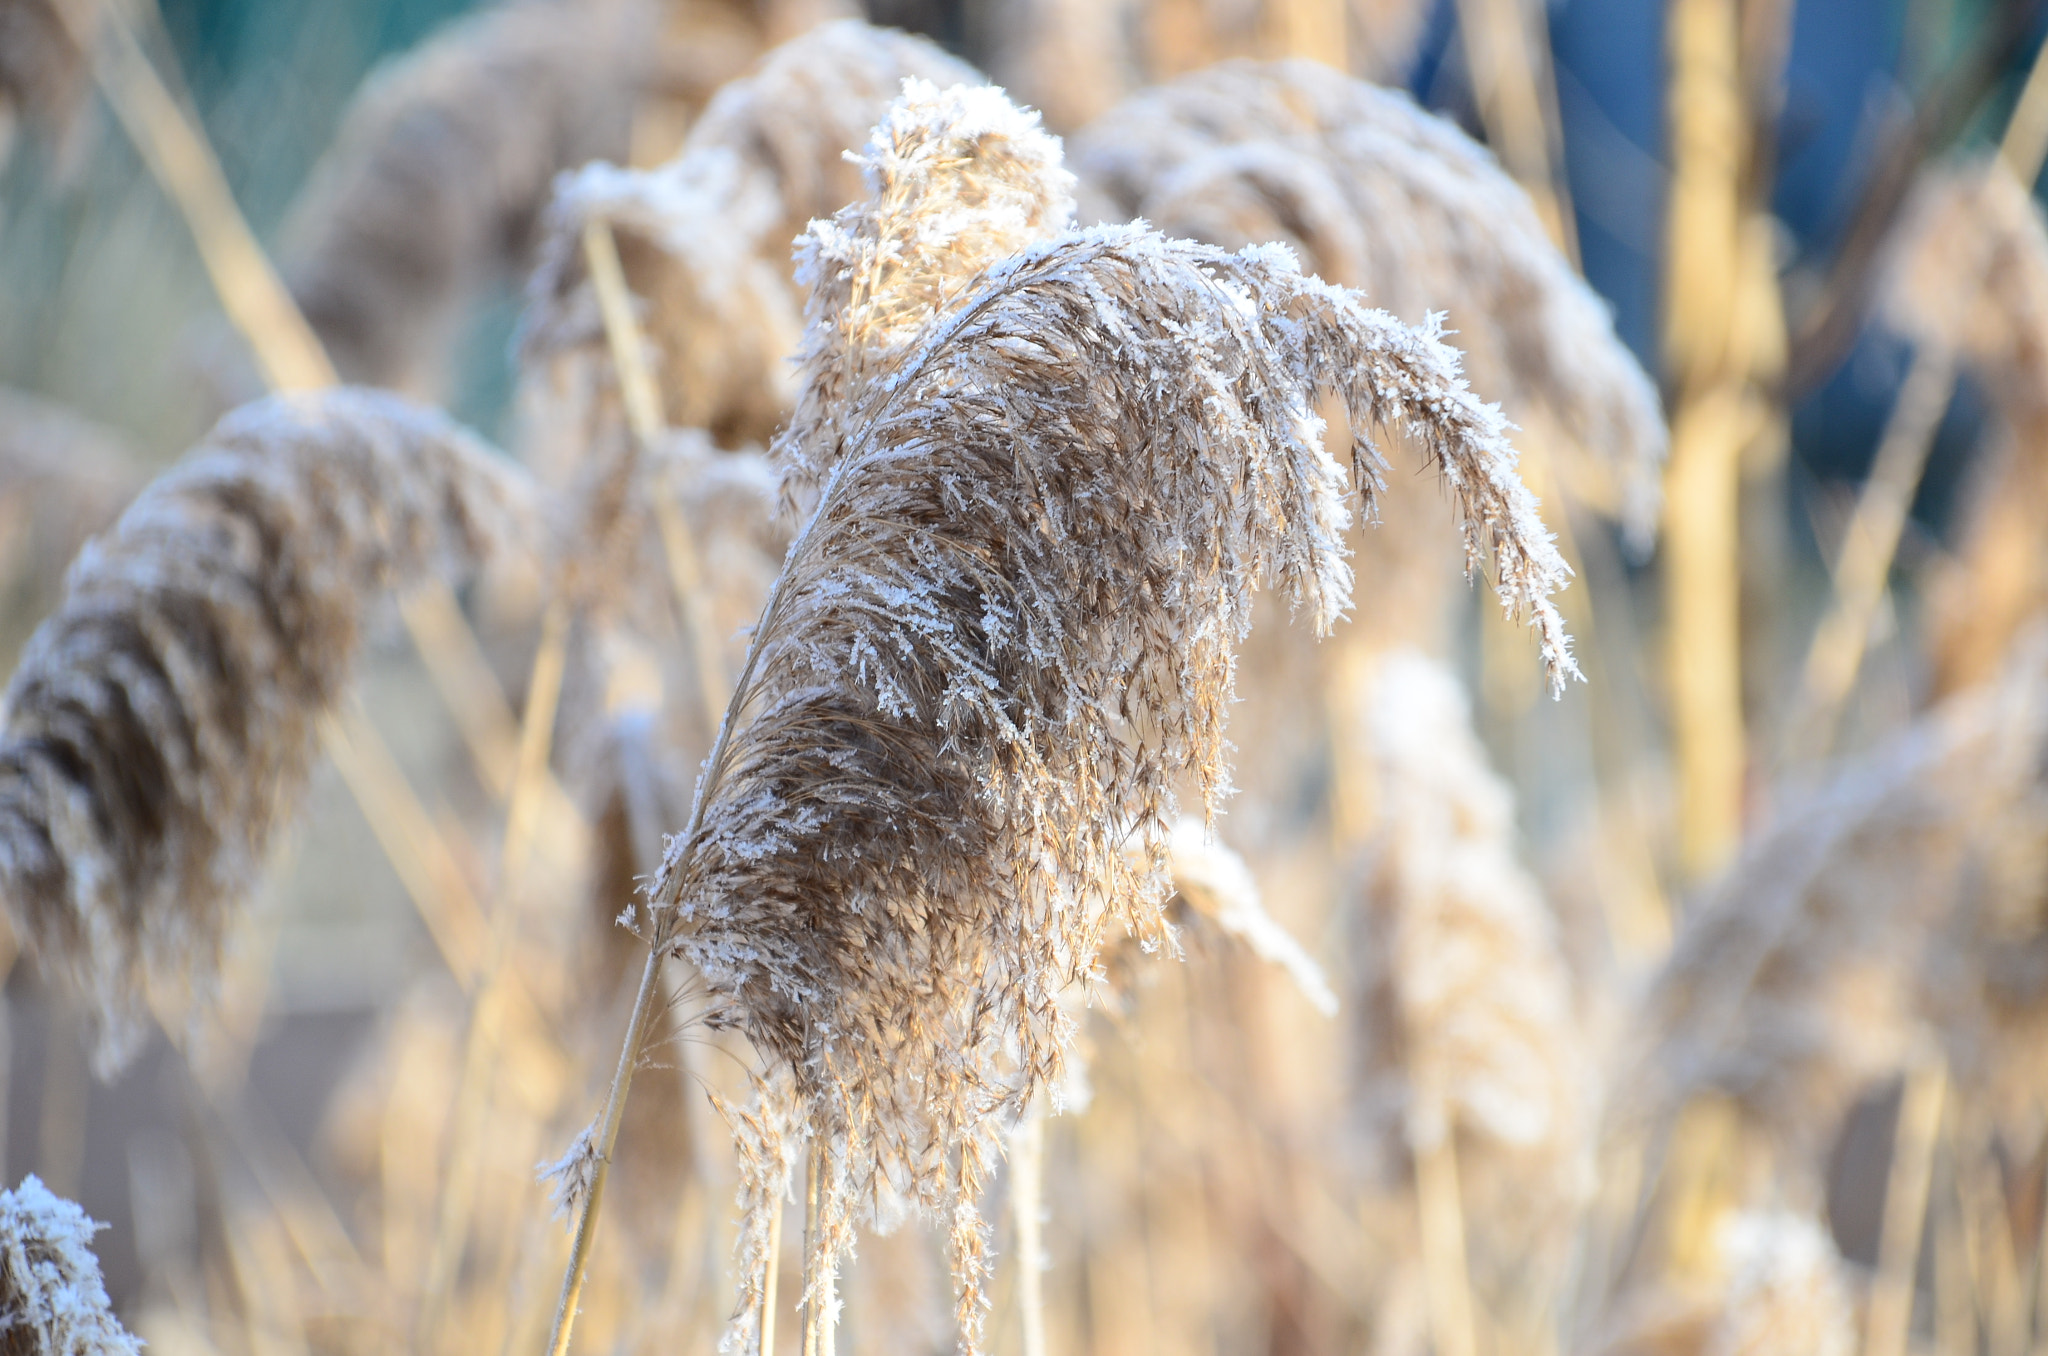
52	1301
161	723
1377	194
1899	901
1970	276
1005	638
1777	1285
705	239
1461	1000
1219	891
436	182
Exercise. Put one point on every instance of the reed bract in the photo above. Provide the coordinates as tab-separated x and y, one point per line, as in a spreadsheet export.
1003	641
161	723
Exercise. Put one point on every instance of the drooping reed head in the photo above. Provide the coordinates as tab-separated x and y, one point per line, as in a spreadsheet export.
160	725
1377	194
704	239
52	1301
1003	643
438	176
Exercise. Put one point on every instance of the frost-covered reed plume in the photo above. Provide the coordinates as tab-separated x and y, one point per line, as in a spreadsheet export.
1004	639
437	179
52	1301
1899	902
1377	194
160	725
705	238
1970	275
1461	1001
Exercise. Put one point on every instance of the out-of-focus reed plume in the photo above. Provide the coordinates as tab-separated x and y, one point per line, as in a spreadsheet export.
1074	59
44	79
1219	891
1971	276
62	478
1460	999
437	180
705	238
52	1301
1901	901
1004	638
162	721
1778	1286
1375	193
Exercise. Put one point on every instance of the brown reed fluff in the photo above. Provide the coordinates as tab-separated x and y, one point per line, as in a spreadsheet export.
1778	1287
705	238
1377	194
1461	1001
437	179
52	1301
1897	904
1970	274
1004	639
160	725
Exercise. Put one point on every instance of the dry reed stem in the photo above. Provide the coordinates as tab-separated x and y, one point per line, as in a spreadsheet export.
1377	194
161	723
1905	1210
51	1296
1440	1220
1027	1203
442	166
1507	47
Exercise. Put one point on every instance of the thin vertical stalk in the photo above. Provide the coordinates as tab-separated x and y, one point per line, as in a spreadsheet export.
821	1301
1507	49
1027	1203
642	398
1905	1210
1440	1211
1316	29
766	1322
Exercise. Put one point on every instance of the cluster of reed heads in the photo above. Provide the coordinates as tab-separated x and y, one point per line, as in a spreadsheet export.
847	760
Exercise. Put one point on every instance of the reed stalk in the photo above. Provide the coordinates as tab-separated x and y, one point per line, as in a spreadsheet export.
1027	1202
1507	48
1440	1216
1890	1307
821	1299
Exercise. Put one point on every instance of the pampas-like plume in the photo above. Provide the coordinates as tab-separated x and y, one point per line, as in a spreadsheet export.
443	164
1377	194
1462	1000
1218	888
705	238
1900	900
52	1301
161	723
1970	277
1005	636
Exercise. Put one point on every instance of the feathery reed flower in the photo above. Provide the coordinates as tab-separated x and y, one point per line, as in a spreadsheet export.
1377	194
1462	1000
1005	637
705	238
52	1301
162	721
438	177
1218	888
1786	1290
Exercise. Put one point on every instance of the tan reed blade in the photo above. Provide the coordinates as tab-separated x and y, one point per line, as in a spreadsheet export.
1905	1209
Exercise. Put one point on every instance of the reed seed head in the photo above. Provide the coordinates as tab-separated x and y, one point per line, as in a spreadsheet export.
161	723
52	1301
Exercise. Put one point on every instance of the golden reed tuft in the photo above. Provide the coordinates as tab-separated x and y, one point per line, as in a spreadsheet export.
161	723
1005	635
1375	193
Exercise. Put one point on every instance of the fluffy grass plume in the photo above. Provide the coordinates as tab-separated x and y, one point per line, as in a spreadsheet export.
1777	1286
705	238
1970	275
1379	195
1005	636
1899	902
52	1301
1461	999
161	722
437	179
